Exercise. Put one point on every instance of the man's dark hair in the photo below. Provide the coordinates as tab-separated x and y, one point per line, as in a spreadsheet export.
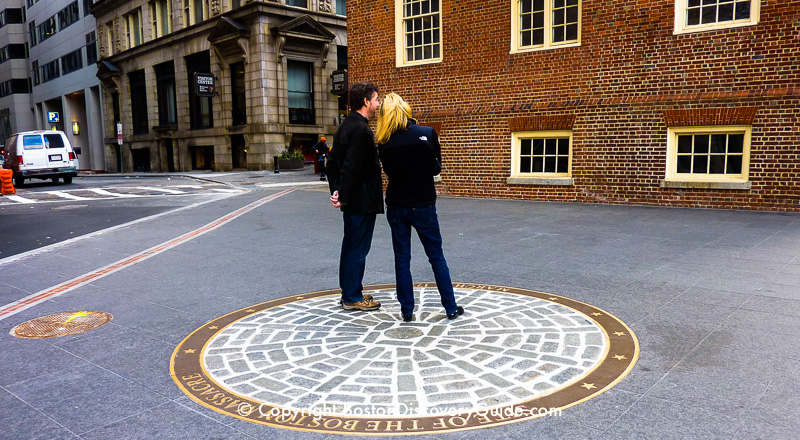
359	91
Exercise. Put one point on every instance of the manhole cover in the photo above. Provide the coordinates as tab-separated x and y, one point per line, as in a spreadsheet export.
60	324
304	363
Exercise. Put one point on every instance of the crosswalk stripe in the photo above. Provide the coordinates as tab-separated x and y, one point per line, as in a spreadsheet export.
67	195
168	191
107	193
277	185
20	199
227	190
187	186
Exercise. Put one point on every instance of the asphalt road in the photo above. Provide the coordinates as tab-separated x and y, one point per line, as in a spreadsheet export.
52	219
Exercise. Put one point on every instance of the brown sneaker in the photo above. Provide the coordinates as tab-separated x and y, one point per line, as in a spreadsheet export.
366	296
365	304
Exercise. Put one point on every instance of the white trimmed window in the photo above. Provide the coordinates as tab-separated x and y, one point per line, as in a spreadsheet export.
133	26
703	15
161	17
541	154
418	32
545	24
708	154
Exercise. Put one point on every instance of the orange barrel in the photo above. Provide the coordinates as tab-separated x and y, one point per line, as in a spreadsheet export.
6	183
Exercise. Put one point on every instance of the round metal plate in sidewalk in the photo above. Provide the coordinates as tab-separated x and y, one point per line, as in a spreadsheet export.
304	363
61	324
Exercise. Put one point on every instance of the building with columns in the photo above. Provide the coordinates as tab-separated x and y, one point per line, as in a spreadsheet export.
271	61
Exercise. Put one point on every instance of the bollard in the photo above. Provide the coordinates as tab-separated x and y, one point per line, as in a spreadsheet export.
275	161
6	182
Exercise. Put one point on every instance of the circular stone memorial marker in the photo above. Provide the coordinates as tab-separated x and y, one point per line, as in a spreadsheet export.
304	363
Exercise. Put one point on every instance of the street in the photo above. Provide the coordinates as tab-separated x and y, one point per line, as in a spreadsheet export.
630	322
43	213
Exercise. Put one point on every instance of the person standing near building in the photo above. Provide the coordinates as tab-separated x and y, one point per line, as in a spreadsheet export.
321	148
411	156
354	178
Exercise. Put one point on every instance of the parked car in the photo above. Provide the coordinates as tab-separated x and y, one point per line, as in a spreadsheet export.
41	154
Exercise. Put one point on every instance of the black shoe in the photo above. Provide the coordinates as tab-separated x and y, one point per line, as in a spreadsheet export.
408	318
459	312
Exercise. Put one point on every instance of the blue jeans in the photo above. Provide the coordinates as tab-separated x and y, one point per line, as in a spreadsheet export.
353	259
424	220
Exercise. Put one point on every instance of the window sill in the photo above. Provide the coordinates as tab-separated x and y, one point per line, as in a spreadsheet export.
712	27
544	181
418	63
706	185
527	49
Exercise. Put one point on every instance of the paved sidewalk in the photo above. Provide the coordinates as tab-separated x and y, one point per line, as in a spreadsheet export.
712	296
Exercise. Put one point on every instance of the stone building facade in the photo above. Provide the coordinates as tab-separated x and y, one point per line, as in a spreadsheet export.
271	62
653	102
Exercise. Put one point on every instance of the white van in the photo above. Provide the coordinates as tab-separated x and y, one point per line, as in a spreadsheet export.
41	154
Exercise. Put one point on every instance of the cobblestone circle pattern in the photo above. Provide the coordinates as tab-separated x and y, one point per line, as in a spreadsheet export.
310	353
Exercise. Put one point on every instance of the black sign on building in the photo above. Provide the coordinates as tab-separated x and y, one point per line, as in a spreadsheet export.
339	81
205	84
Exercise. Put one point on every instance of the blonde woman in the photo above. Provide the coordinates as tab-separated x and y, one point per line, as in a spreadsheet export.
411	155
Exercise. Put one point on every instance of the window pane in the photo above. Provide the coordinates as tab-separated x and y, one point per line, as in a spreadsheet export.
558	34
572	32
717	164
527	38
734	165
693	17
550	147
538	164
558	17
563	147
684	164
726	12
538	146
32	143
709	14
701	144
572	15
525	147
53	141
735	143
538	36
700	165
525	165
549	164
718	143
563	165
743	10
684	144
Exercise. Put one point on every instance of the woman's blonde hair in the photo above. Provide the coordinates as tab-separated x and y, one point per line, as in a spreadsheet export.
393	115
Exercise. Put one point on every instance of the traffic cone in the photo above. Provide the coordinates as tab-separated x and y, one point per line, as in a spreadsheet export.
6	182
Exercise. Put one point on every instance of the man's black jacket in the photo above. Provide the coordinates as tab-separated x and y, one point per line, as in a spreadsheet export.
354	169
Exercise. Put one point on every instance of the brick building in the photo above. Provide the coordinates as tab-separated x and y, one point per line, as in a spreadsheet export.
656	102
271	61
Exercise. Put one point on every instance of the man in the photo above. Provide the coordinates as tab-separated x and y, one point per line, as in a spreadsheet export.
354	178
321	148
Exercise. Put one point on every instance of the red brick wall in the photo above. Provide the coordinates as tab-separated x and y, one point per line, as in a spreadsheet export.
628	71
